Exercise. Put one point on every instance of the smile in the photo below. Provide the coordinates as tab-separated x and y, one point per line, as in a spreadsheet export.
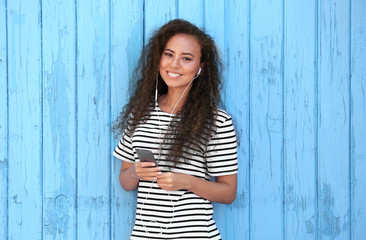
174	75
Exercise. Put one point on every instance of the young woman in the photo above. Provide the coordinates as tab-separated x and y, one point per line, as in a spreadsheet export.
174	114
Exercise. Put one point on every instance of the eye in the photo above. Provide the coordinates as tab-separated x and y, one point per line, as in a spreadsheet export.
187	59
168	54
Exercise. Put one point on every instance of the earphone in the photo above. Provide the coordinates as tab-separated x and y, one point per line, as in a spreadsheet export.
199	71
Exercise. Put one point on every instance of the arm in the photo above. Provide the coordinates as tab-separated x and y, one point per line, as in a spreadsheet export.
131	173
221	191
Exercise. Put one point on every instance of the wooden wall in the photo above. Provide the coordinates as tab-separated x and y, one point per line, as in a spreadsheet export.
295	85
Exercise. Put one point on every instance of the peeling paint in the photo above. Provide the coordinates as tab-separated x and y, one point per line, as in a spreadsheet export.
329	221
309	226
57	217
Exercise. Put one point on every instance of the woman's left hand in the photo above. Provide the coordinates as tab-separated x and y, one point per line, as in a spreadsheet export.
172	181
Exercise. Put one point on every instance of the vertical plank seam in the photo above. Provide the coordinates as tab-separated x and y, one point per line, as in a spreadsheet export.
316	115
40	20
76	120
7	120
176	8
350	118
143	23
249	118
204	15
283	119
111	225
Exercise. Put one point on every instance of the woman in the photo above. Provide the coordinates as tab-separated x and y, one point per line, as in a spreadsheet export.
173	113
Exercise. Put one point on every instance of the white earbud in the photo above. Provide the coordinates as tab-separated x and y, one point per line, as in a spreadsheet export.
199	71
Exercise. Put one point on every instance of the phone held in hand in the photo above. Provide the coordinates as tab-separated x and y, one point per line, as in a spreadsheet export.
145	155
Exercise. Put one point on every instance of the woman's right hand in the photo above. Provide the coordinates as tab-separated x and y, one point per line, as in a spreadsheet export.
147	171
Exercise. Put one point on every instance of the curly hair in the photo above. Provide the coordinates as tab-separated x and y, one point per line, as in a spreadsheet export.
199	110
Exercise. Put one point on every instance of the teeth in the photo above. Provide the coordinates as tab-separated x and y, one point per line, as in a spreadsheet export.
173	74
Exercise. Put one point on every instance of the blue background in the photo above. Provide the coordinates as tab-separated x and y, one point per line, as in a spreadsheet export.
295	85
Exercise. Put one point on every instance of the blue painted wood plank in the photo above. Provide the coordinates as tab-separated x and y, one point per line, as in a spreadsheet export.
237	104
266	120
59	139
215	27
215	22
25	120
93	120
157	13
358	120
192	10
3	125
333	120
126	44
299	120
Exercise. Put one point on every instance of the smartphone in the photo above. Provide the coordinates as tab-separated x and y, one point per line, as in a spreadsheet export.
146	156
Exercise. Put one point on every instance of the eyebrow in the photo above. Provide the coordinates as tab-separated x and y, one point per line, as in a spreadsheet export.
182	53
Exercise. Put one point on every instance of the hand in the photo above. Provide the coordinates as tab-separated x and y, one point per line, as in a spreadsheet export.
172	181
146	171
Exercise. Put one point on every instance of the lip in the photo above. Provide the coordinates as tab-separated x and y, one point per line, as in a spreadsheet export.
174	74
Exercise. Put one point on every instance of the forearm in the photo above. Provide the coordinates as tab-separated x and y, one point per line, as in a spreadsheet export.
128	179
219	191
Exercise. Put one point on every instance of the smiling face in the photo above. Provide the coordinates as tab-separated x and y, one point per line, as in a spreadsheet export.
180	61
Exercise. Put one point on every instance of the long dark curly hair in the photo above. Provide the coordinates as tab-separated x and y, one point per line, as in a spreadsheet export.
198	113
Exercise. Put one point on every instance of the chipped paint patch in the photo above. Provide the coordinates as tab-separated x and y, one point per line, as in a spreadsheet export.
329	221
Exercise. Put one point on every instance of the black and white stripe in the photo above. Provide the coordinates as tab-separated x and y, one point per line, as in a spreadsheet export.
179	214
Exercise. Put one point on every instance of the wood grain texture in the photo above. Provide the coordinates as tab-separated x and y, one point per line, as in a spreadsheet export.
193	11
333	120
25	120
3	124
266	134
358	120
156	14
93	120
299	120
126	46
294	84
59	120
236	88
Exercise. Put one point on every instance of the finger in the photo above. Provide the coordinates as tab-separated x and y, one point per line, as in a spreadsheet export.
148	174
162	176
147	164
154	171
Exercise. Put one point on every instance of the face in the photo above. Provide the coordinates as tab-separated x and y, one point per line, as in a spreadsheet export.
180	61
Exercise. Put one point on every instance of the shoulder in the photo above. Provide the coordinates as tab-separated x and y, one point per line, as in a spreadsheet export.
221	117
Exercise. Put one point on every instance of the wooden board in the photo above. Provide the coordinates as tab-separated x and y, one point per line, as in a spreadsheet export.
358	120
266	120
300	119
3	123
93	120
59	119
25	172
333	120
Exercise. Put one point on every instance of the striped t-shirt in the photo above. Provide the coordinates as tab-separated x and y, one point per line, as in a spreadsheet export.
162	214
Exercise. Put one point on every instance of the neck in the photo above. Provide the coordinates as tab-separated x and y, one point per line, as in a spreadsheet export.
169	102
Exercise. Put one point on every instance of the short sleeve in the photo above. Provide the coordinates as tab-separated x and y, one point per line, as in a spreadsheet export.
124	150
221	152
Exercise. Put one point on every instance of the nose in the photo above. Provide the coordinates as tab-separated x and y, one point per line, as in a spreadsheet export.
176	63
